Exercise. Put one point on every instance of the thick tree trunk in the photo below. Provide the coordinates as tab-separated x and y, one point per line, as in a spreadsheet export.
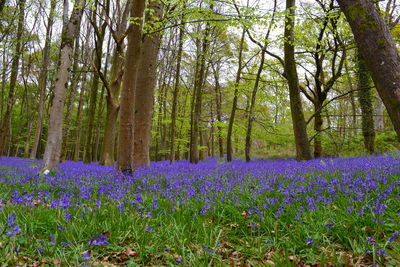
176	91
54	136
379	51
367	110
234	103
5	125
299	126
43	82
127	111
145	90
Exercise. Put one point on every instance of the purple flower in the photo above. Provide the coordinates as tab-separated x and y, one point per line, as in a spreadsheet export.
86	256
310	241
179	260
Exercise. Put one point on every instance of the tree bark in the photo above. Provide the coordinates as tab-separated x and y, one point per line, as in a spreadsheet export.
299	126
379	51
145	90
6	123
127	112
54	136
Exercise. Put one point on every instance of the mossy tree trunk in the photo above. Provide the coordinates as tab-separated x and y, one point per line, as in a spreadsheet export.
379	51
367	109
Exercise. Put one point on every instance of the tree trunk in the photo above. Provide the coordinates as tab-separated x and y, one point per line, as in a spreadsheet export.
252	104
127	111
299	126
367	110
317	129
194	156
112	98
100	34
378	113
145	90
71	99
234	103
176	91
54	136
43	81
5	125
218	100
379	51
101	106
78	130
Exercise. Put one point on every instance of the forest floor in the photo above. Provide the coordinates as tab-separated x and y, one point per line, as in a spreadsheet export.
325	212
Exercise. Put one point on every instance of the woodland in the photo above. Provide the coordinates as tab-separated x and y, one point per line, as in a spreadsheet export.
200	132
250	80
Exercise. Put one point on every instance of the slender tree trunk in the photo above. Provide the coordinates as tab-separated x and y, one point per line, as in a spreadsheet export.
127	113
43	82
252	104
379	51
5	125
299	126
367	110
234	103
101	106
78	130
176	91
54	136
194	156
100	34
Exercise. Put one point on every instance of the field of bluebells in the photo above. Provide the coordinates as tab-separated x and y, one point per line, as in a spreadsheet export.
329	212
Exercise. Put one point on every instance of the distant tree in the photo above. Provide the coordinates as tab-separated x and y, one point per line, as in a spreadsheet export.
235	98
99	33
5	125
176	90
43	80
197	94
